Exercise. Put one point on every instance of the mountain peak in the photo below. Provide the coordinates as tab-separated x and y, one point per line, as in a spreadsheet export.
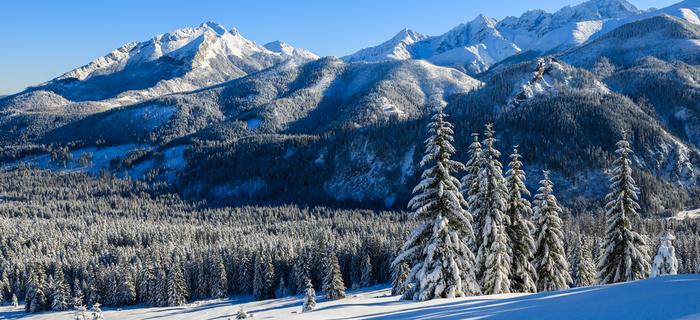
217	28
287	50
395	48
483	20
276	46
597	10
180	60
407	36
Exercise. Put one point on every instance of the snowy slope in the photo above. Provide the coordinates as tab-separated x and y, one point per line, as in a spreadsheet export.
183	60
686	215
290	52
478	44
483	42
688	10
669	297
664	37
396	48
332	93
475	45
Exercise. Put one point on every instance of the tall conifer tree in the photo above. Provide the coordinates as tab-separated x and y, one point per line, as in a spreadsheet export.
550	258
438	249
519	230
624	253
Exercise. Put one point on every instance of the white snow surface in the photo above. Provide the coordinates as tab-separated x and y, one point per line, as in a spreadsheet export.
101	156
287	51
686	215
670	297
396	48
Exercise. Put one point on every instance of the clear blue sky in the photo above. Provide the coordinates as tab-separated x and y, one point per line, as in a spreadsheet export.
42	39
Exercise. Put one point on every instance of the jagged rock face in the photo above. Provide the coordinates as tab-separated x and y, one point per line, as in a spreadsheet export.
548	75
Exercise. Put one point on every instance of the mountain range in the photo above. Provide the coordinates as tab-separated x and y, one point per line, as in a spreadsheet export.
217	116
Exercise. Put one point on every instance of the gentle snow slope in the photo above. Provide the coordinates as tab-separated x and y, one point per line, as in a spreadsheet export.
671	297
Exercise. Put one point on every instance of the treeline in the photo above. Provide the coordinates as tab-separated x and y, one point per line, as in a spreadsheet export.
120	242
72	239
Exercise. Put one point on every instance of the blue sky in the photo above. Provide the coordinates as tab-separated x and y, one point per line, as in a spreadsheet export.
42	39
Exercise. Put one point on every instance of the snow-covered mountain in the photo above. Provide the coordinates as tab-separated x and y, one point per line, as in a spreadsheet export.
396	48
472	46
665	37
483	42
303	98
288	51
183	60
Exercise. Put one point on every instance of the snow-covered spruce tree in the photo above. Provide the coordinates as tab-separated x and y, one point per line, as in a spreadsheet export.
442	264
78	296
624	252
14	301
282	290
494	254
242	314
301	273
366	278
270	277
127	288
81	313
176	294
584	269
550	259
219	281
470	186
97	312
264	277
333	282
146	281
245	275
61	292
160	288
92	295
4	286
309	298
259	290
111	296
398	284
35	298
665	262
519	230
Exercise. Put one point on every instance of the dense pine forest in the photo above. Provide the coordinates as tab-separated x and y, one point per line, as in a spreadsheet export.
71	240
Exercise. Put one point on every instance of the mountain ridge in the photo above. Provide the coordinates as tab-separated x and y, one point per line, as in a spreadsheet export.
349	131
534	30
